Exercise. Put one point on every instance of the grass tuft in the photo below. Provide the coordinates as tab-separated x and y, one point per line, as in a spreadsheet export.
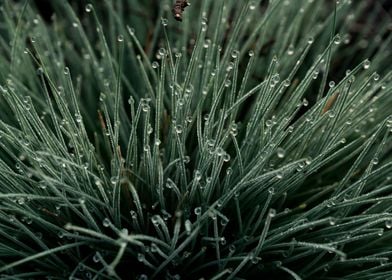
251	140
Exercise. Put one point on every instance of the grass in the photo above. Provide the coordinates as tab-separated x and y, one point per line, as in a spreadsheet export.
252	140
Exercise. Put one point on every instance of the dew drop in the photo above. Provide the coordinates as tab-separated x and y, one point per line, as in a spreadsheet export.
331	114
155	65
366	64
164	21
140	257
388	224
197	211
21	200
280	152
272	212
290	50
162	51
120	38
337	39
89	8
197	175
155	220
332	221
178	129
188	226
106	222
40	71
234	54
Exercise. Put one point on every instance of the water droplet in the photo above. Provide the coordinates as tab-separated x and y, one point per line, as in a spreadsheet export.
132	33
290	50
207	43
106	222
78	118
331	114
388	224
60	234
114	180
280	152
155	219
164	21
269	123
89	8
169	183
251	53
40	71
331	84
272	212
178	129
234	54
188	226
155	65
337	39
21	200
279	176
315	74
162	51
140	257
197	175
286	83
252	5
366	64
310	40
120	38
197	211
204	24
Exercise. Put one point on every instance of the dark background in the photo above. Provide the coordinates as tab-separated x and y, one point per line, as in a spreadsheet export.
46	9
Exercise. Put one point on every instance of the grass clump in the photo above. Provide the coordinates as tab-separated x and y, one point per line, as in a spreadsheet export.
251	140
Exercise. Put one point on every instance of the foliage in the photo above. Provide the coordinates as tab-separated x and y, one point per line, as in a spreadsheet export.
251	140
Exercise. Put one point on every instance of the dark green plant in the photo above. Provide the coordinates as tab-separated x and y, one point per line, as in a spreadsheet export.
252	140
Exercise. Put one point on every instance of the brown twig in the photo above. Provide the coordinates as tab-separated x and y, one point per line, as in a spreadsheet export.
178	8
331	100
